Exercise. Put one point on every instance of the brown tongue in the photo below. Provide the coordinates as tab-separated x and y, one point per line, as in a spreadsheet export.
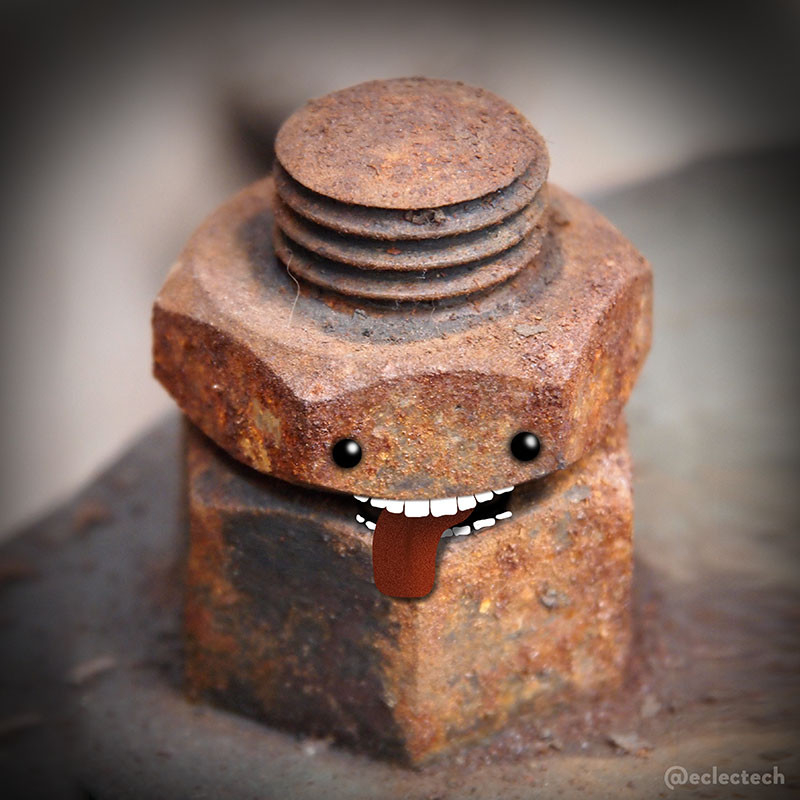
404	552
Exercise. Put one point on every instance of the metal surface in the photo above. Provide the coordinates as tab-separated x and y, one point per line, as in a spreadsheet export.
436	285
463	217
410	143
397	224
284	623
545	328
275	372
277	355
415	254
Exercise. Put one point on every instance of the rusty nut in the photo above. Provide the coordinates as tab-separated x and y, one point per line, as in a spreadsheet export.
283	622
478	301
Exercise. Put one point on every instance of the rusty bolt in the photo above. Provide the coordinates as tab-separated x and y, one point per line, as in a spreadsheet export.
373	323
408	279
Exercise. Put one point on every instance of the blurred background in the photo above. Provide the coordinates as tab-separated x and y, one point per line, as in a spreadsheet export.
124	127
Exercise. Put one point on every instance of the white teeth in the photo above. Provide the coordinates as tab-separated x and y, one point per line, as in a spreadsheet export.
439	507
466	502
444	507
448	532
417	508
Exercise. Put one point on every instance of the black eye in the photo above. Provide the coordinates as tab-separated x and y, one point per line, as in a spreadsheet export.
346	453
525	446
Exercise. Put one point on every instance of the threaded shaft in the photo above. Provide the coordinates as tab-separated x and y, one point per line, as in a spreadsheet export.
405	254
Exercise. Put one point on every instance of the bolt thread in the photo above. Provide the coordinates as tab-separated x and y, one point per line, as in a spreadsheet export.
395	255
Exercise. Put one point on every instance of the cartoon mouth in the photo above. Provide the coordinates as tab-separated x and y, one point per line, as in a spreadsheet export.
406	534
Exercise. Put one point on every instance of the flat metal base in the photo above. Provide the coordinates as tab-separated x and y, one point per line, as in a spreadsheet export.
91	697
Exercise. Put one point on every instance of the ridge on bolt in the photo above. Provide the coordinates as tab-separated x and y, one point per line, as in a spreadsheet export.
409	190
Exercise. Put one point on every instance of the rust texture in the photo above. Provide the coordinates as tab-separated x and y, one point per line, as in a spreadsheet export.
283	622
275	374
467	273
409	255
407	278
464	215
396	224
408	144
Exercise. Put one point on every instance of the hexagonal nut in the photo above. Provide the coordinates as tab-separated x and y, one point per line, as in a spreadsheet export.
283	622
276	372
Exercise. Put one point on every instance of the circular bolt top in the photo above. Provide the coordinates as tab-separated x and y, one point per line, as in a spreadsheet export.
410	143
346	453
525	446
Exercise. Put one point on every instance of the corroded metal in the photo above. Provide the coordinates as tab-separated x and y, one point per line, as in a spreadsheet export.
283	621
399	224
415	254
275	374
409	280
475	162
408	144
400	284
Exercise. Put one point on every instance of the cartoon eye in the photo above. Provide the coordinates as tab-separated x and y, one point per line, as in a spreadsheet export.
346	453
525	446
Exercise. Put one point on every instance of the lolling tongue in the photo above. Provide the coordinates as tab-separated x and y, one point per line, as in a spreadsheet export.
404	552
